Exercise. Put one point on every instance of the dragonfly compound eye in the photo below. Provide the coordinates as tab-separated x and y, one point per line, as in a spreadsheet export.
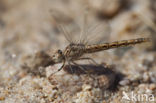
59	51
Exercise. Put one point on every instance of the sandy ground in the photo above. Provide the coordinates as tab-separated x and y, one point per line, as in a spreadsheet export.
29	34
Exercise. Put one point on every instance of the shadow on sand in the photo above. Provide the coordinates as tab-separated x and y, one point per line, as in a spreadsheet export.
97	70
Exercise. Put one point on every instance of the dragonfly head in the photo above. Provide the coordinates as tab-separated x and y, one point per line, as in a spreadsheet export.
57	56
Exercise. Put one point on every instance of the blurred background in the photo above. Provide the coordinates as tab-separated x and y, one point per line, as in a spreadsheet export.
27	26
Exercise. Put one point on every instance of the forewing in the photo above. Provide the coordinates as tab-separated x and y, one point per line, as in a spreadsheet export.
97	33
93	31
64	27
84	33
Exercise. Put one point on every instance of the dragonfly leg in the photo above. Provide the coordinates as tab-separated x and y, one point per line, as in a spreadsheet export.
70	66
61	66
82	68
58	69
87	58
106	65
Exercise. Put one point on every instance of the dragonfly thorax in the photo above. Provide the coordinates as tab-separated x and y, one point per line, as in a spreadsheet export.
74	51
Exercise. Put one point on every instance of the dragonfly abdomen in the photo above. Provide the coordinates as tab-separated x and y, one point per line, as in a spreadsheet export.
106	46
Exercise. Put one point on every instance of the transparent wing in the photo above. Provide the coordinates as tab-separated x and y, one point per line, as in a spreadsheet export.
87	33
97	33
66	33
62	26
92	30
84	27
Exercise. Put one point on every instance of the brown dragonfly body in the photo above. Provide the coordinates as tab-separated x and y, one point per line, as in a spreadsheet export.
86	44
75	52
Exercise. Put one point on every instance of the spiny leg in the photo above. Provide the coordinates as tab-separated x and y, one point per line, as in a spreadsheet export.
87	58
82	68
106	65
70	66
58	69
62	66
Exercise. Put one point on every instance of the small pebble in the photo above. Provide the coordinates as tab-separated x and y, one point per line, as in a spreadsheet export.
149	91
2	98
142	86
124	82
152	86
146	77
86	87
13	55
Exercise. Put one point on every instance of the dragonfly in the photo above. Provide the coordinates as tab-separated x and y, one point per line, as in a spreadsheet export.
76	50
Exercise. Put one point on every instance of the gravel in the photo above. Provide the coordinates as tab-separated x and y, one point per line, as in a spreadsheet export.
29	35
